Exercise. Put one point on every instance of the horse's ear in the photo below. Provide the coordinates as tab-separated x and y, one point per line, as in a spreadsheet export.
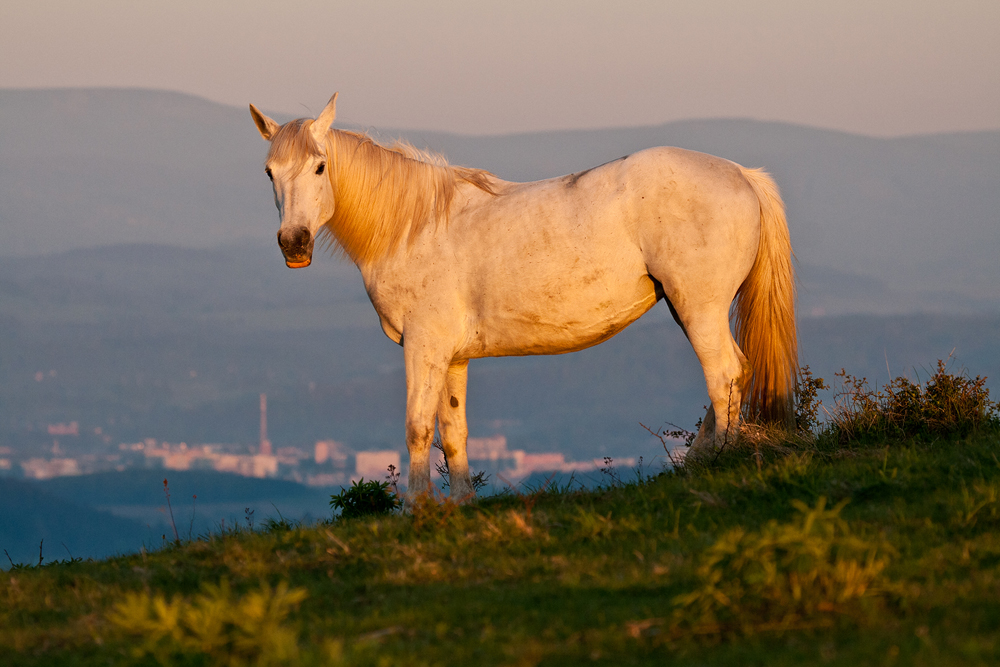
265	125
325	120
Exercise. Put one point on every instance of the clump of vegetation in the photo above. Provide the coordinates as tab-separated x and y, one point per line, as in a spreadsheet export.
227	630
947	405
371	498
785	575
480	478
950	405
279	525
807	403
433	511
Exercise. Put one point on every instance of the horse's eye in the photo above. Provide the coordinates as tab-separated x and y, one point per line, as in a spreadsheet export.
320	168
269	174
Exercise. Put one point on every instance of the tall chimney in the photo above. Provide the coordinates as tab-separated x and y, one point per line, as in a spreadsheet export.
265	444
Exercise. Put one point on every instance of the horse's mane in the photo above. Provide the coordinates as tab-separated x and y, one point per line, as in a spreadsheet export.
383	195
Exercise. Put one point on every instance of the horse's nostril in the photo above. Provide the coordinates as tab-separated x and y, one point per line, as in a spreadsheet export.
294	240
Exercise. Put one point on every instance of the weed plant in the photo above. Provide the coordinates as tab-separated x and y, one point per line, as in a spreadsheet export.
361	499
807	403
947	405
213	624
480	478
785	575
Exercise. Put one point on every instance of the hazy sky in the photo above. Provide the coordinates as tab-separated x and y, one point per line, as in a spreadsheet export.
881	67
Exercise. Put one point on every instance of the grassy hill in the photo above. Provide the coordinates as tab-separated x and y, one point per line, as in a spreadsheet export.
824	553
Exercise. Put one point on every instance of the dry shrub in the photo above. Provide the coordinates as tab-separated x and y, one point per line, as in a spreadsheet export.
807	403
947	405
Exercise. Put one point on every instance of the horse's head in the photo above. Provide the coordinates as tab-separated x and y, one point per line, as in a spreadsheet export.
298	169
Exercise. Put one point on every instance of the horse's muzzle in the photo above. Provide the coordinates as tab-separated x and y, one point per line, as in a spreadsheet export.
297	247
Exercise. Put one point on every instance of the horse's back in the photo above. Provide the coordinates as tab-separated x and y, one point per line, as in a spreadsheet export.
562	264
659	205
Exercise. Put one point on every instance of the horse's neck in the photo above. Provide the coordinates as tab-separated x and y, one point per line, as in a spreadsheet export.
381	197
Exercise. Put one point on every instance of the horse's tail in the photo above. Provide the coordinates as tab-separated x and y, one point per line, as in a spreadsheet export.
765	312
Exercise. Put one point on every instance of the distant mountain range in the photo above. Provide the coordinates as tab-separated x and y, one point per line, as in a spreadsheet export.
880	225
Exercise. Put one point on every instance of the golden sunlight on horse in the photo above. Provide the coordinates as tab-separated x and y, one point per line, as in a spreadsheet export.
460	264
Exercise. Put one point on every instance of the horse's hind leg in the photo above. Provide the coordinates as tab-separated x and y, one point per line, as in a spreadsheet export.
726	374
455	431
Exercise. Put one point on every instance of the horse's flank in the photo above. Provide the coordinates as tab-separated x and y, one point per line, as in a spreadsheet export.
384	195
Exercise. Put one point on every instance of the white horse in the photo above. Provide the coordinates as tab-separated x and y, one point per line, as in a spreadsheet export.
460	264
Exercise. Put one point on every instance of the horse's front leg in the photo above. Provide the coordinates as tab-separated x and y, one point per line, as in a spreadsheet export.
426	371
455	431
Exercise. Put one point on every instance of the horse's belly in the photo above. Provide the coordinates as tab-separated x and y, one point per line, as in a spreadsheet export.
557	321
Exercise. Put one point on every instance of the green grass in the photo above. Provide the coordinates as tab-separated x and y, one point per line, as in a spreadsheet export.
821	554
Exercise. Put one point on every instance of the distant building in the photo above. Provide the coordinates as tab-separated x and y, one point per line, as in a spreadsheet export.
206	457
72	428
492	456
49	468
265	466
488	449
374	464
234	463
329	463
544	462
177	461
290	455
330	452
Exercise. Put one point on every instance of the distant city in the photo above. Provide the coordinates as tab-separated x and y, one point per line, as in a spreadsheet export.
326	463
